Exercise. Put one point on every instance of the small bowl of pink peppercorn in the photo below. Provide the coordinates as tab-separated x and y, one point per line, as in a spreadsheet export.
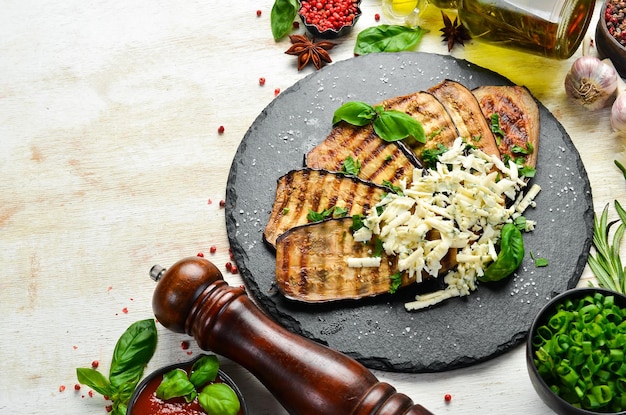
611	34
329	19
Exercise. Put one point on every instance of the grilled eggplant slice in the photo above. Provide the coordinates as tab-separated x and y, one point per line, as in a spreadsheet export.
300	191
312	264
380	160
518	115
467	115
427	109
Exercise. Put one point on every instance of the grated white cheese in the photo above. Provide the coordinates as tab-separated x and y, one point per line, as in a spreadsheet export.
464	200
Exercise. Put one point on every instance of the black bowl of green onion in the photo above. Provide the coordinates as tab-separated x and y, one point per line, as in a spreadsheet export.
576	352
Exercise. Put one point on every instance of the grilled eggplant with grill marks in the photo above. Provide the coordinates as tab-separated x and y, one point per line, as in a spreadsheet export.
312	264
467	115
428	110
301	191
518	117
380	160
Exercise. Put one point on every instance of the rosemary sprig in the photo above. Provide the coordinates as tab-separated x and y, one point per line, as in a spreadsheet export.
607	264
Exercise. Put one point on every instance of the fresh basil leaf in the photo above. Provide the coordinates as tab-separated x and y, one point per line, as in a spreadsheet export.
395	125
133	351
219	399
355	113
510	256
387	38
95	380
282	16
176	384
204	370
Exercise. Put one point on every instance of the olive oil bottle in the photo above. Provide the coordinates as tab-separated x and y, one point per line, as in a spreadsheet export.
552	28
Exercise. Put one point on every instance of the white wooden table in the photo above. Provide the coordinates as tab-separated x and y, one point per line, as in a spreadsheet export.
111	161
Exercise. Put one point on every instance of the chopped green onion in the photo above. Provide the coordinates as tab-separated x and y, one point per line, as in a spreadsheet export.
580	353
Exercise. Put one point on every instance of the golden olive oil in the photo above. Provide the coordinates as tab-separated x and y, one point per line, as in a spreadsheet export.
552	28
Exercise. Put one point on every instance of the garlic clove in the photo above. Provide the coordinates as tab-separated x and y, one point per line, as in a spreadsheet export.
591	82
618	114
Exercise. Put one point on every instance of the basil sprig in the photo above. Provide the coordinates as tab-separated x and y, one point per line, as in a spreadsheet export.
390	125
387	38
132	352
215	398
282	16
510	256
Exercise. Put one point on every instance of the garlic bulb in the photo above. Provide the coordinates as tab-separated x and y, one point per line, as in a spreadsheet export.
591	82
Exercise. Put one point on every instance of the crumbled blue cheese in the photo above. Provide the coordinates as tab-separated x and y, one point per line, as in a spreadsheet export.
462	202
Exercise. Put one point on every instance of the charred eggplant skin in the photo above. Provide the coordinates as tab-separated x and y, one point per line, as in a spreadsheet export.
300	191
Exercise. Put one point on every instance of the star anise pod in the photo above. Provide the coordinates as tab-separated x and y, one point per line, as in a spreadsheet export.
453	32
307	50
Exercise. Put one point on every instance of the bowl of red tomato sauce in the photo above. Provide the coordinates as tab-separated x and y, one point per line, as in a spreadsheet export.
576	352
218	396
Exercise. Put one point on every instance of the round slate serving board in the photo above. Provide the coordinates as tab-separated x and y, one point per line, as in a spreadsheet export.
378	332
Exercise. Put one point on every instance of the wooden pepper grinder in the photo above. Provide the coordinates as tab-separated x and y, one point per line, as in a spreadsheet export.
307	378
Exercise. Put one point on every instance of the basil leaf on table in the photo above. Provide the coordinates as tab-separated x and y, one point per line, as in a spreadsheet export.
387	38
282	16
132	352
392	125
219	399
95	380
510	256
176	384
204	370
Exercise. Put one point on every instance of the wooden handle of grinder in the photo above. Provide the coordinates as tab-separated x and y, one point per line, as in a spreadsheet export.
307	378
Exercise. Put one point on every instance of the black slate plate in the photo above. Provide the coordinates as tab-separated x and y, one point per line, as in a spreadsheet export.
378	332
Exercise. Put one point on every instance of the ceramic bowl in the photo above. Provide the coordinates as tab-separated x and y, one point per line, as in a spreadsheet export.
608	46
555	402
329	33
148	385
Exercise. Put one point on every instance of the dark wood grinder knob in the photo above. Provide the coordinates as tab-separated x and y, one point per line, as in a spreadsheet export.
307	378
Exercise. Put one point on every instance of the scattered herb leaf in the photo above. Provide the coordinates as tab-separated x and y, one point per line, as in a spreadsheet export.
496	129
396	189
387	38
332	212
357	222
282	16
396	281
351	166
430	157
539	261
